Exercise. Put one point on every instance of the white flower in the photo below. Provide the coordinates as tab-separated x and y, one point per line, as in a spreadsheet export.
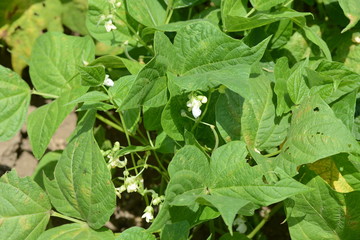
114	3
240	221
108	82
120	190
157	200
109	25
148	214
117	163
132	188
132	184
357	39
195	103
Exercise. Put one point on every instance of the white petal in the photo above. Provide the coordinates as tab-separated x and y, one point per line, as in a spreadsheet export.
108	82
109	25
196	112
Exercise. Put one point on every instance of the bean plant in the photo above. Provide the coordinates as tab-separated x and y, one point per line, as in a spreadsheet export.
222	115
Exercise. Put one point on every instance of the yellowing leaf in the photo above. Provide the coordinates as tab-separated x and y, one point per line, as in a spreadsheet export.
328	171
22	34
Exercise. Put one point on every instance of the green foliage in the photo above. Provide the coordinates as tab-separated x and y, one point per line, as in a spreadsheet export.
25	208
77	231
15	100
220	114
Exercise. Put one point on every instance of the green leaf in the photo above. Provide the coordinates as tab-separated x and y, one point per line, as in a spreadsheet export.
281	32
132	119
261	5
121	89
233	8
135	233
110	61
228	178
44	121
235	23
296	85
235	236
90	97
228	113
182	3
177	230
74	16
260	127
164	144
82	186
152	118
25	208
315	133
313	36
46	166
224	60
14	102
333	80
172	122
352	12
150	87
323	213
344	109
92	75
282	74
147	12
76	231
60	54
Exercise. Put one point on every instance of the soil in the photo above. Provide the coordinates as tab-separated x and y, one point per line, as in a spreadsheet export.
16	153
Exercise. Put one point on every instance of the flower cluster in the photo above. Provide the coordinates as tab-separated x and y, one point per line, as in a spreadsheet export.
108	19
195	103
149	210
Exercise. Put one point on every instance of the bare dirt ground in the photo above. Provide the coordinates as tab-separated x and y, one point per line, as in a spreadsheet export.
16	153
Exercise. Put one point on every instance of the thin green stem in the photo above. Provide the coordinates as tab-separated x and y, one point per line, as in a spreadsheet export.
164	174
190	12
43	94
289	2
113	118
127	53
264	220
251	12
169	16
212	229
169	11
212	127
273	154
128	139
110	123
59	215
216	136
144	140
